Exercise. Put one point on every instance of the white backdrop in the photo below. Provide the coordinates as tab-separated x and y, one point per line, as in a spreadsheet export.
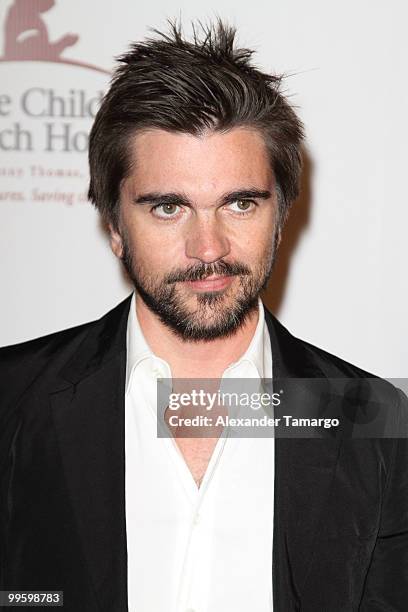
340	280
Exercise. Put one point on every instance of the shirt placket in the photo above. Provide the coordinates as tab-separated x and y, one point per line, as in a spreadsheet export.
196	578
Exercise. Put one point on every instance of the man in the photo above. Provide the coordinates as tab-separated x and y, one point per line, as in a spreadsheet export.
194	160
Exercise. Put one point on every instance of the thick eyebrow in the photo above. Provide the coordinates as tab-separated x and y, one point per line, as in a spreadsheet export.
162	198
246	194
156	198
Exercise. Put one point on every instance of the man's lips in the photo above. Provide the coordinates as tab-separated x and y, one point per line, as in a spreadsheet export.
215	282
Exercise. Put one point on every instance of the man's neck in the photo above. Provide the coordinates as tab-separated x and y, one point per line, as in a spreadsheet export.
202	359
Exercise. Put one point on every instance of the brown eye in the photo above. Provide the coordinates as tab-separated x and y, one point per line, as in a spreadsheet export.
242	205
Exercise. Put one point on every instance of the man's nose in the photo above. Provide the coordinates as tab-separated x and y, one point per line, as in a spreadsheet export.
207	240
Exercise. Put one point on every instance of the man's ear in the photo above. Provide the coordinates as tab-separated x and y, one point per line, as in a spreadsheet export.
115	240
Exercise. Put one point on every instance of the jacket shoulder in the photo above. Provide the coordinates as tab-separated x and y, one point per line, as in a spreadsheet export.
306	357
362	391
43	348
330	362
21	364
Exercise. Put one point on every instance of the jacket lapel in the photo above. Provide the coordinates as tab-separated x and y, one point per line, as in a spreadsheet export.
304	471
88	414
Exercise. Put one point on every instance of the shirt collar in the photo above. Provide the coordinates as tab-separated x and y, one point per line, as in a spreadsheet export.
258	353
137	347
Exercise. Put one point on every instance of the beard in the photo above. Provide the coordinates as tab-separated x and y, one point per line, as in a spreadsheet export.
216	314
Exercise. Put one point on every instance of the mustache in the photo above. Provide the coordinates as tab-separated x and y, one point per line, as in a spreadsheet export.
202	271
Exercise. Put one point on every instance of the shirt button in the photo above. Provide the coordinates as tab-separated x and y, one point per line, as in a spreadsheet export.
196	520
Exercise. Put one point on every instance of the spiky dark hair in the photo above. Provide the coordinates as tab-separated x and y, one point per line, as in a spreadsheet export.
180	85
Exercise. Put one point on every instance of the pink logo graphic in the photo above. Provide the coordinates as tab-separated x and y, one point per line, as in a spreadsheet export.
26	36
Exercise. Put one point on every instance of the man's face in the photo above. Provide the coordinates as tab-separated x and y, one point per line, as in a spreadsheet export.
198	227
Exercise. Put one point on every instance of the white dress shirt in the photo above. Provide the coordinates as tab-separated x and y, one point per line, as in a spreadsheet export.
190	548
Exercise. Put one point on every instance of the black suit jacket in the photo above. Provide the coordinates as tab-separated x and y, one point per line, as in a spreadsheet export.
341	505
